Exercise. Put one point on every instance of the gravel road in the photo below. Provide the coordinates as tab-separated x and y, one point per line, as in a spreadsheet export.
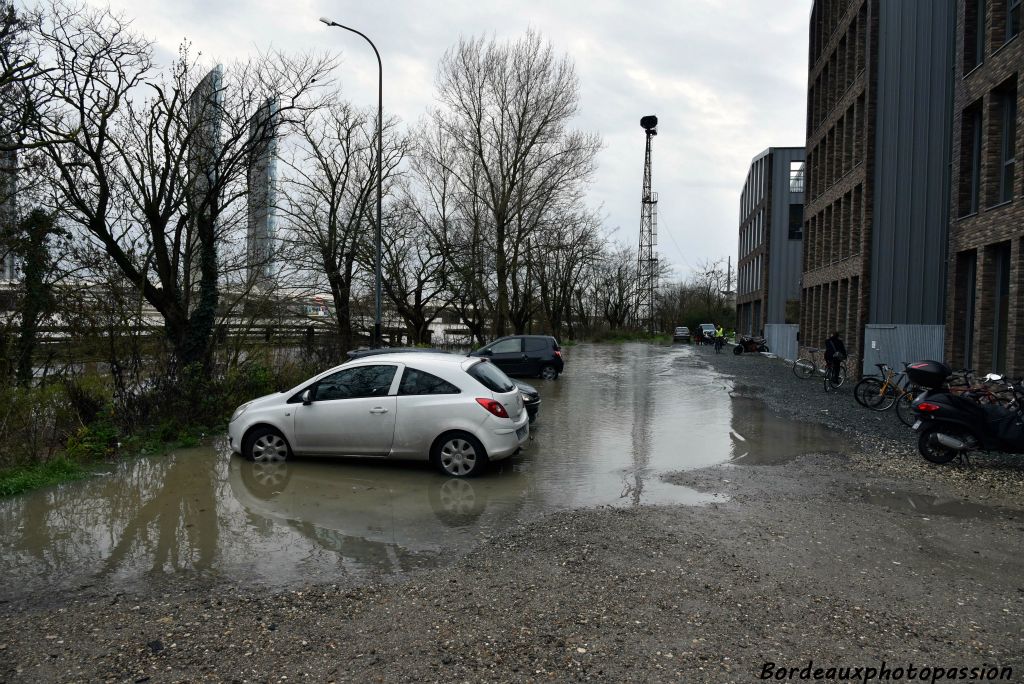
846	560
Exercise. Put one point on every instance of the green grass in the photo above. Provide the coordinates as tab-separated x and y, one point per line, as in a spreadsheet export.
25	478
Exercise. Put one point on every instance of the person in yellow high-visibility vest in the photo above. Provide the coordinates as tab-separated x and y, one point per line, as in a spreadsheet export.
719	339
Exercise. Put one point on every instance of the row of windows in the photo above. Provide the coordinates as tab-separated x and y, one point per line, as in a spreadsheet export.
989	316
986	26
752	234
749	276
839	151
828	308
839	73
988	143
754	188
834	233
825	18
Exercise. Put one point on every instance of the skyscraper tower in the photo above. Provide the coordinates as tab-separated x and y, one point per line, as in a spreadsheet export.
262	224
647	266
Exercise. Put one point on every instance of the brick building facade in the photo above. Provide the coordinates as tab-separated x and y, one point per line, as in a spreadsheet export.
985	318
840	153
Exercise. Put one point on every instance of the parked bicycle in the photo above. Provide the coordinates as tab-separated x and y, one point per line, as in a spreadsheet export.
889	389
807	362
811	360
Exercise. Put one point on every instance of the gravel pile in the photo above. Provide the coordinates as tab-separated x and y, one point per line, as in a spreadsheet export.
812	560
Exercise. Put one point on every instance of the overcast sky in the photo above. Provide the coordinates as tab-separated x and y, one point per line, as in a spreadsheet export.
726	78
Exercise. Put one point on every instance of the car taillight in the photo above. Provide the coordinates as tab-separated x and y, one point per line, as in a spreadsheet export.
493	406
558	353
927	407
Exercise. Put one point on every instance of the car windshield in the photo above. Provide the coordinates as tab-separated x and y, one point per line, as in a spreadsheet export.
491	377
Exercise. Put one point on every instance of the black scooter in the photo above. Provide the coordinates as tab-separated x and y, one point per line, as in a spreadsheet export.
951	426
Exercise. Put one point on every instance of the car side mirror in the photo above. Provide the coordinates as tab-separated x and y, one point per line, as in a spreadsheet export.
486	352
307	397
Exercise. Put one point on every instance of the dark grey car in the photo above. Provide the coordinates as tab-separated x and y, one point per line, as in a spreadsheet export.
529	355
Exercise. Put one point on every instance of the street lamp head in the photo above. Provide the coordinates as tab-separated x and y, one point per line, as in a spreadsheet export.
327	21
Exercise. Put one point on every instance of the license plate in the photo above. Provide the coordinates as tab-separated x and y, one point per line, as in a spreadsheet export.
521	432
917	424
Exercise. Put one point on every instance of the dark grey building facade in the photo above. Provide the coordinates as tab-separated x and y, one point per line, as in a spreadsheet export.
770	241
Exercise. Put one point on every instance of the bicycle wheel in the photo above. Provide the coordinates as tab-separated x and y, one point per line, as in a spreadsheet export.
834	378
905	410
804	368
868	392
888	397
840	376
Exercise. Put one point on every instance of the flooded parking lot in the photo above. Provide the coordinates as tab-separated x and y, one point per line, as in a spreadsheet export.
609	428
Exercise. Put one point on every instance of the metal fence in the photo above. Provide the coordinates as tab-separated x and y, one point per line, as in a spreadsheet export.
894	344
781	339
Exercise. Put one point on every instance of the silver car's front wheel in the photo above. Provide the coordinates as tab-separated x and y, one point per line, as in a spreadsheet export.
459	455
265	445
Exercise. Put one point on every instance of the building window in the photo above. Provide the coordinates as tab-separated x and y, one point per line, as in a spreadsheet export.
966	294
796	221
974	34
1001	317
970	160
1012	19
796	176
1008	142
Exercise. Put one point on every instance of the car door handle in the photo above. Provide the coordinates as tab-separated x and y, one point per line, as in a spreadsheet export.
525	357
378	409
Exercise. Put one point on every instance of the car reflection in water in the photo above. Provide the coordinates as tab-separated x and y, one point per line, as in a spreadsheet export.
378	517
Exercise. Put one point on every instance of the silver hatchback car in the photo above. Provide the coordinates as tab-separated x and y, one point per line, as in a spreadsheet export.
457	412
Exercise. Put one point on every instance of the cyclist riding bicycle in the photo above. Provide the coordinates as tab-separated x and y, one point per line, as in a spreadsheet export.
835	353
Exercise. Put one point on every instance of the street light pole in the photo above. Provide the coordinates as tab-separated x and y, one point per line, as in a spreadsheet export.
377	338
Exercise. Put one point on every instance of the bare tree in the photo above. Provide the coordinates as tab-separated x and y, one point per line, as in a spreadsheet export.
127	174
414	268
329	195
506	109
565	250
615	285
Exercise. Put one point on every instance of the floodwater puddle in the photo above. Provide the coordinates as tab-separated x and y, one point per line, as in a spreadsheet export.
928	505
759	437
619	418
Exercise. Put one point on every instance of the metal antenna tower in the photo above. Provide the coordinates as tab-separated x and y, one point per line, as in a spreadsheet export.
647	262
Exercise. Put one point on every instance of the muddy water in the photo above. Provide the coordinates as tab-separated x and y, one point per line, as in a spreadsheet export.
619	418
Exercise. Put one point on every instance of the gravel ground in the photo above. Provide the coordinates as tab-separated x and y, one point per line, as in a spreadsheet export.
843	560
882	443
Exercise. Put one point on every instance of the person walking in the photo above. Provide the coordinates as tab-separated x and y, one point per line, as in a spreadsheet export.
719	339
835	352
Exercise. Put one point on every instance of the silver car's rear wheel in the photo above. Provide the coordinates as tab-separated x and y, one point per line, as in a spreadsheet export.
459	454
265	445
